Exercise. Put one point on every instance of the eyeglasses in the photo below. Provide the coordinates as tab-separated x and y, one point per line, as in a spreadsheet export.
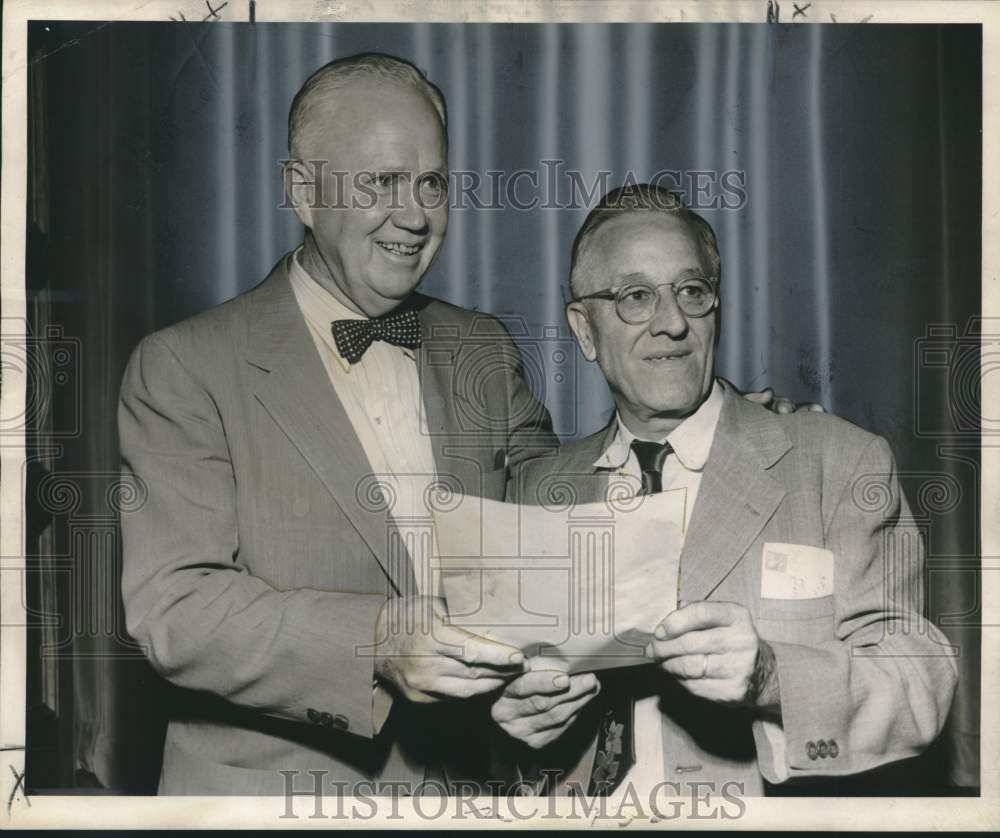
636	302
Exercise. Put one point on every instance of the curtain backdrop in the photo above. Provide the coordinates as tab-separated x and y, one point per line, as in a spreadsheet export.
851	273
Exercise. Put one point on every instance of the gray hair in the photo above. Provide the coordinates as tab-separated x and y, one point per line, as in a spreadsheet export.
338	74
642	197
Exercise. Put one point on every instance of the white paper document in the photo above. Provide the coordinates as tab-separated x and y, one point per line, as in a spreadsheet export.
578	587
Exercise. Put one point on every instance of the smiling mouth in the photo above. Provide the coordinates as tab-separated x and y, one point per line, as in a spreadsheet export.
664	357
400	249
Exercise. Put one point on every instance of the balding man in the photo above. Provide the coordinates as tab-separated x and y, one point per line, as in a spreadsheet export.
266	576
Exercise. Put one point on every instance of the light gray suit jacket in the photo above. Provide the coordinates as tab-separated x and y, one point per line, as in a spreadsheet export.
861	671
256	567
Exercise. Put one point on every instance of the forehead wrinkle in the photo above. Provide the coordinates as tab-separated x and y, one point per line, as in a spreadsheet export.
631	243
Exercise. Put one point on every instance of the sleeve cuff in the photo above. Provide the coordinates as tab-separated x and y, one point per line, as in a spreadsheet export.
773	756
814	715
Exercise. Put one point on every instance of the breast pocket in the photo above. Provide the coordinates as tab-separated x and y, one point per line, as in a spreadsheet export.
805	621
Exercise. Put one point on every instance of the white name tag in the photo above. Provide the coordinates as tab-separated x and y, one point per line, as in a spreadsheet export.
795	571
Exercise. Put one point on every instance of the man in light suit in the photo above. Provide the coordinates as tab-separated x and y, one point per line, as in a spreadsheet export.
799	649
292	443
285	437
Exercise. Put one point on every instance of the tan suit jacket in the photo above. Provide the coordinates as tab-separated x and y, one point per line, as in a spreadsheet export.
861	671
256	566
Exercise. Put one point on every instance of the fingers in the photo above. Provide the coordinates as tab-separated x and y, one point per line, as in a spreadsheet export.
520	698
579	685
479	651
696	616
539	682
763	397
433	677
703	642
450	686
519	702
476	651
453	663
690	667
564	713
783	406
538	718
779	404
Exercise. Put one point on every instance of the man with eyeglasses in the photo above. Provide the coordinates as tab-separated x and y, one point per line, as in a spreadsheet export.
799	648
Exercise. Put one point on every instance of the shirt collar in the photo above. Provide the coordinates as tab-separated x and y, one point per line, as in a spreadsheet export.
691	439
321	308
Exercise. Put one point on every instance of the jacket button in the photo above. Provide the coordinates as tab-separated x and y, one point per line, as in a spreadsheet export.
313	715
823	749
339	722
811	750
326	720
834	750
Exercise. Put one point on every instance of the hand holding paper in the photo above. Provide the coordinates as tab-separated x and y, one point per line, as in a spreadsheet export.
538	706
427	660
714	650
581	588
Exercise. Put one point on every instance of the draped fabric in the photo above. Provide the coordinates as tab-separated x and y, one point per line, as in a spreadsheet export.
851	271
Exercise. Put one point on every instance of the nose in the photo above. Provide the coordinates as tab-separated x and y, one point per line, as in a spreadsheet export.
410	214
668	319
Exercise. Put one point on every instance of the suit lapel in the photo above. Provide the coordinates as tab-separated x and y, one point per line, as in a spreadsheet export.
463	456
294	388
594	489
574	472
737	496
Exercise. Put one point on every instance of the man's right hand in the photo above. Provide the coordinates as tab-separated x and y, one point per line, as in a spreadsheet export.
779	404
538	707
427	660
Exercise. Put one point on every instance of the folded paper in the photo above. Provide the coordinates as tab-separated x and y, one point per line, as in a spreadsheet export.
576	587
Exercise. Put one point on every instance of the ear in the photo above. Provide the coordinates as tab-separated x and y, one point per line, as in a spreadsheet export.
579	322
301	188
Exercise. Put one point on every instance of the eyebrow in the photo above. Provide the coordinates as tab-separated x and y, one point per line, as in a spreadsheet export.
629	277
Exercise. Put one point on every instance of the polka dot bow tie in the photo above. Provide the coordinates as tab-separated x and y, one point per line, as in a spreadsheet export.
353	337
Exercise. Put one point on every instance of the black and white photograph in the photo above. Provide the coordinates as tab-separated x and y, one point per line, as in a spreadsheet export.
495	414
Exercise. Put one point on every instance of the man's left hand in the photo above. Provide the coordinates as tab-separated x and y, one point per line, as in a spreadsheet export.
714	650
779	404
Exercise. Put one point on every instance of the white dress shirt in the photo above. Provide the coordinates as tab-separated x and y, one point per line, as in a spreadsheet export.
381	396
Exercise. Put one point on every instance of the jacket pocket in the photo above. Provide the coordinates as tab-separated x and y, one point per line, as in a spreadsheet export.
806	622
796	609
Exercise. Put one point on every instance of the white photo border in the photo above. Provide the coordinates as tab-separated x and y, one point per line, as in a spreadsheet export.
964	813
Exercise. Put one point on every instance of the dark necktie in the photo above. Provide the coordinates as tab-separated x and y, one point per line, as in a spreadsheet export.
651	457
353	337
615	739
